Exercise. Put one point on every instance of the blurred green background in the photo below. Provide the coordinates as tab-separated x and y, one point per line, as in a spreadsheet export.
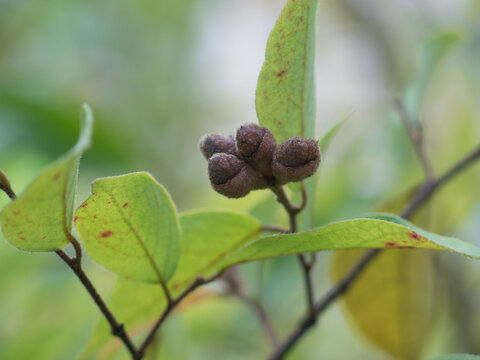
158	75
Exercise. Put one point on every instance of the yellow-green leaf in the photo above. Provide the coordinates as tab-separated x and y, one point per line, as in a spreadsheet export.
208	237
130	225
285	96
392	301
41	218
380	231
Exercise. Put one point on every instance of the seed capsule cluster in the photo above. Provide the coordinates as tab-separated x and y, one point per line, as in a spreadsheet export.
253	160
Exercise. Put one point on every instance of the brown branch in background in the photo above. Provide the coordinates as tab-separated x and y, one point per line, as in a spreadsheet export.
415	133
430	187
6	186
423	194
116	328
237	288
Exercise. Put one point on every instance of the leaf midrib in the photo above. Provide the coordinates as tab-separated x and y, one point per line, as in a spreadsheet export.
138	238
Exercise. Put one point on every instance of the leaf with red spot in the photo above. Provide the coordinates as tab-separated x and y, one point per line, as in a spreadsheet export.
285	96
40	219
129	224
373	231
208	237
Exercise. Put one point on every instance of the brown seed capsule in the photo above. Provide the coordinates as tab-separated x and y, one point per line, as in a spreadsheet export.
256	145
295	159
231	177
216	143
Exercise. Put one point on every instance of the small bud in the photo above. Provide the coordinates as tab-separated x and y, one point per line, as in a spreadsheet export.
295	159
256	145
216	143
231	177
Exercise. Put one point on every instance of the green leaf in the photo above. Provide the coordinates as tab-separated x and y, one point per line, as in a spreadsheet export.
208	237
434	49
130	225
41	218
392	301
325	140
456	357
285	96
376	231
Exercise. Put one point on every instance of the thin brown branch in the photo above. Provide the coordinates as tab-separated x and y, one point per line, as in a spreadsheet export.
304	197
427	190
292	211
307	275
199	281
116	328
264	319
308	321
236	287
415	133
424	193
6	186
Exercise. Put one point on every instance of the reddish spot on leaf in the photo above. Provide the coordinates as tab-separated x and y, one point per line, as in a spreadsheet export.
391	244
106	234
7	219
395	245
281	73
22	238
43	237
413	235
175	286
94	216
57	176
109	202
75	219
125	205
84	205
20	232
16	212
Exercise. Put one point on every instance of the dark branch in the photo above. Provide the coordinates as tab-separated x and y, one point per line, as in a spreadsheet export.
426	191
292	211
236	287
262	315
6	186
307	275
423	194
116	328
199	281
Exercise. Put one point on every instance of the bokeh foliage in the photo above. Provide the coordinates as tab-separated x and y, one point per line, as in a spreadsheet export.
140	66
